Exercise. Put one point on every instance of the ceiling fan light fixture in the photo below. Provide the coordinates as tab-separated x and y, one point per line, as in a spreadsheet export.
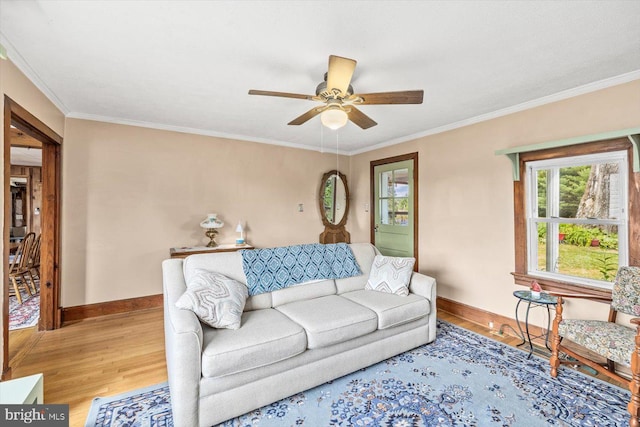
334	118
339	99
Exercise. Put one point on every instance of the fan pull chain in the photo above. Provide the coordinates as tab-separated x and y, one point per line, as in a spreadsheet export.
337	151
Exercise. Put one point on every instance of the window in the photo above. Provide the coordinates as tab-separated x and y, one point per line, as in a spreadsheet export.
554	230
394	197
577	217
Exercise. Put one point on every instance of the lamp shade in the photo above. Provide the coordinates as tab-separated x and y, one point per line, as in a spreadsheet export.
334	118
239	228
211	221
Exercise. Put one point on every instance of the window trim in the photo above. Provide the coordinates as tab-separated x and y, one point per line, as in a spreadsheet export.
520	273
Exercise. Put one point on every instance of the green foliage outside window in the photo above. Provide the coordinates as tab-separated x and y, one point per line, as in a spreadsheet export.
607	265
579	235
573	182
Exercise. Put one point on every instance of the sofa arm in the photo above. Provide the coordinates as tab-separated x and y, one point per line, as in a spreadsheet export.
425	286
183	347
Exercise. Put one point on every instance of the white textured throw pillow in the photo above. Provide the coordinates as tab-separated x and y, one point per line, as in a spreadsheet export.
216	299
390	274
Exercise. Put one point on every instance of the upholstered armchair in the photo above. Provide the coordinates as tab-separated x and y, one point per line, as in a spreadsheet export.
616	342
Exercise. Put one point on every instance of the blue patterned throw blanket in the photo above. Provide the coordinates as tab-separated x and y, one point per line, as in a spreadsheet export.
271	269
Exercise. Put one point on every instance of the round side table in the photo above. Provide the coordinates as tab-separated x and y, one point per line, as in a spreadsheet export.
545	300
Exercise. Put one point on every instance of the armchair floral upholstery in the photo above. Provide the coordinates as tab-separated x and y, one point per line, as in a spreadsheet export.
616	342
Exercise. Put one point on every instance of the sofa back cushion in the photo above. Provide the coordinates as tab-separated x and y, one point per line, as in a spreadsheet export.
364	253
225	263
303	291
230	265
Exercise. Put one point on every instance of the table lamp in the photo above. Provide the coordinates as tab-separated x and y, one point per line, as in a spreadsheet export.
211	224
239	229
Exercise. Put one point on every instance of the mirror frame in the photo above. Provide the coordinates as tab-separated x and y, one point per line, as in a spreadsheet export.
334	233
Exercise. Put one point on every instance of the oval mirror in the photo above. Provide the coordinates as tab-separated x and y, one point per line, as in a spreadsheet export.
334	207
334	199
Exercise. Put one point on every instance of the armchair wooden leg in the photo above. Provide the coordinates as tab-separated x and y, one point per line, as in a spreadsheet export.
16	289
30	283
25	282
554	360
634	384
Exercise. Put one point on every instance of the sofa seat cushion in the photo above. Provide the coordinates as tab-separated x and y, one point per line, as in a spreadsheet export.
330	319
391	309
266	336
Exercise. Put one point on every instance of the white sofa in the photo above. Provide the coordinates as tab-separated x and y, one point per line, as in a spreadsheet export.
291	340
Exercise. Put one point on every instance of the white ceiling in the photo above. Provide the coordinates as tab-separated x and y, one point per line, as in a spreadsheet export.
188	65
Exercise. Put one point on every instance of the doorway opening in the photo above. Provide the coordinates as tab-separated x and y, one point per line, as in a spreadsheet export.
32	206
394	205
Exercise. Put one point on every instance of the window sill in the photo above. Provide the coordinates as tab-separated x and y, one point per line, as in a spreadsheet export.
551	285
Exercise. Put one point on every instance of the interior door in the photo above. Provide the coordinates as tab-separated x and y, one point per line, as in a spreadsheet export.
394	210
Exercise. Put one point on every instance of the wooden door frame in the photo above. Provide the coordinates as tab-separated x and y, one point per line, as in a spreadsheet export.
50	312
372	211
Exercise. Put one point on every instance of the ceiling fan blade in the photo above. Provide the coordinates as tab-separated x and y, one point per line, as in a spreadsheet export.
340	73
360	118
402	97
280	94
306	116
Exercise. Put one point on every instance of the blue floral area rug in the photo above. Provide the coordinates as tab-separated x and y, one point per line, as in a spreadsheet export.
461	379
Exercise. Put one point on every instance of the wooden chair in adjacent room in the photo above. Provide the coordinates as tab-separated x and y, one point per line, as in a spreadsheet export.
617	343
18	266
33	263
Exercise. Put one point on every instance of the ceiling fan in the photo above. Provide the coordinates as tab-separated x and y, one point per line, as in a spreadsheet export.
339	100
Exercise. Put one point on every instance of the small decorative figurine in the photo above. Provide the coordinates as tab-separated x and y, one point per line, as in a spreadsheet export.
535	290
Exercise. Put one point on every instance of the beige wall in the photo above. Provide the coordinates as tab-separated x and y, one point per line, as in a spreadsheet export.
466	235
15	85
131	193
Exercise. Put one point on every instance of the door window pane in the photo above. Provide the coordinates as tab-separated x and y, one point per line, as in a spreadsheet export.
401	208
401	182
386	211
394	197
386	184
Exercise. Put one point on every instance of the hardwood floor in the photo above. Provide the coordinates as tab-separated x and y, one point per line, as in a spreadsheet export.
97	357
114	354
20	342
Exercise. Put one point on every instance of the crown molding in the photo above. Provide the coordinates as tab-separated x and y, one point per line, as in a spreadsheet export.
566	94
196	131
22	65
